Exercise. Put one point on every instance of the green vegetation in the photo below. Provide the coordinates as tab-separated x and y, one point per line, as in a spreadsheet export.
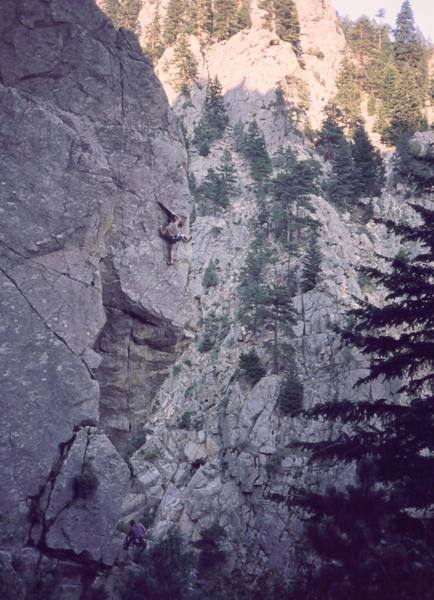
214	119
210	554
348	97
210	279
184	62
123	13
154	41
214	193
216	328
208	20
251	367
150	453
290	399
283	16
254	149
225	19
166	570
266	299
369	165
416	172
184	421
357	168
385	516
340	187
311	264
85	483
290	191
392	69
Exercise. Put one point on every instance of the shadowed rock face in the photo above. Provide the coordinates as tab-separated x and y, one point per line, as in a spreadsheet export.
87	146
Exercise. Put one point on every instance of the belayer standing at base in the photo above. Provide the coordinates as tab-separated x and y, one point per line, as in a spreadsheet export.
136	535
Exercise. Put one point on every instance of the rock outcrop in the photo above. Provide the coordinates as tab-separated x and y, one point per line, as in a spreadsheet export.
111	408
87	147
253	64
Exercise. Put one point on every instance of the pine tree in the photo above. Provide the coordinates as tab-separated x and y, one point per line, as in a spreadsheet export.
341	185
252	289
282	16
250	365
330	136
243	17
112	10
255	150
287	23
239	136
130	13
268	6
211	193
376	538
278	313
174	21
214	119
407	47
214	109
218	186
210	278
154	43
369	165
205	17
266	299
290	189
290	399
201	138
225	19
228	174
348	97
311	265
185	63
417	172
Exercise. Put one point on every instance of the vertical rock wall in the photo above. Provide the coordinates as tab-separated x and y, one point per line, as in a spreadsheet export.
87	147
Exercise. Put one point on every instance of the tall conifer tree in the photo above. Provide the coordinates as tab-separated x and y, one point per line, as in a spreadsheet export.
368	164
185	63
311	264
255	150
407	47
225	18
341	185
174	21
376	538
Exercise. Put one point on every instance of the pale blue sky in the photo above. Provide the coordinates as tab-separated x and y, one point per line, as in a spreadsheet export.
423	11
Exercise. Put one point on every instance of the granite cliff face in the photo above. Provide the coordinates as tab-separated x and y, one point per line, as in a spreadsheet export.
110	410
88	145
255	62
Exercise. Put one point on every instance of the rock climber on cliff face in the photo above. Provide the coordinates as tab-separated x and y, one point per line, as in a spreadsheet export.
172	233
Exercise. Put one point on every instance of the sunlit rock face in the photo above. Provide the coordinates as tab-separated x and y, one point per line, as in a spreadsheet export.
87	148
255	62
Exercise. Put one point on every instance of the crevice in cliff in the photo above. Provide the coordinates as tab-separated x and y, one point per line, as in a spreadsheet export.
40	525
121	81
38	505
32	260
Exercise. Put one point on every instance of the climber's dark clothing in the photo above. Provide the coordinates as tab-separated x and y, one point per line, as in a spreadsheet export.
171	233
136	535
175	238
